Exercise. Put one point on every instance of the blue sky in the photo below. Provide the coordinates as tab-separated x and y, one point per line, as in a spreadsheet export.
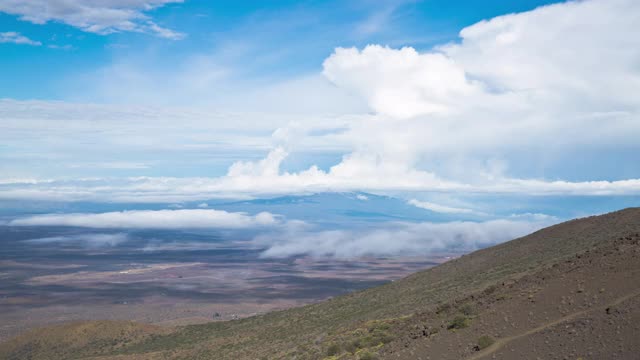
276	39
454	107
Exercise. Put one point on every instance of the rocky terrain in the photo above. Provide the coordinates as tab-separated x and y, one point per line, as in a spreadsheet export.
570	291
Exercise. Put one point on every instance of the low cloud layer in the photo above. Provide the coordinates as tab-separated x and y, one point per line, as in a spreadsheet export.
264	179
149	219
399	239
292	238
439	208
86	240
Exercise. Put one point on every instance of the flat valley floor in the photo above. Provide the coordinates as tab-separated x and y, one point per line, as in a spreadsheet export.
166	278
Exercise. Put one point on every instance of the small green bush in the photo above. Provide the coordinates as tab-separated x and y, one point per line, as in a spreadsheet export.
367	355
333	349
379	325
485	341
459	322
353	346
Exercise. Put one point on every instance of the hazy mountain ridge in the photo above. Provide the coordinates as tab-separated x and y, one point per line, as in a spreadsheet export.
340	207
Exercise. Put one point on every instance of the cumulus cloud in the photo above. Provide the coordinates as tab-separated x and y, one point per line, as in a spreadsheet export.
548	59
408	238
400	83
87	240
516	81
17	38
100	17
149	219
514	89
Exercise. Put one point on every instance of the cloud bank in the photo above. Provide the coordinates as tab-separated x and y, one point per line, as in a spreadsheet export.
158	219
245	186
87	240
408	239
439	208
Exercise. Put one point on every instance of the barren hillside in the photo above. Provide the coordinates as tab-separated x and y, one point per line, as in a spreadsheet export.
569	291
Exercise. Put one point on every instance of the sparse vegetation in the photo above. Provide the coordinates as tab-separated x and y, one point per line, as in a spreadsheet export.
485	341
373	335
333	349
351	322
352	346
467	310
367	355
459	322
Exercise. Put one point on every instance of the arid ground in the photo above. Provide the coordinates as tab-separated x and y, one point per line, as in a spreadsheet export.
570	291
45	282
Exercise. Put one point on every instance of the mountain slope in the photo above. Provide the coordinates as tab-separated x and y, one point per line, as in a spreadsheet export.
517	294
347	209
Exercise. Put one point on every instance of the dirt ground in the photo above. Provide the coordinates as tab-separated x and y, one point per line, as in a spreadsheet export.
587	307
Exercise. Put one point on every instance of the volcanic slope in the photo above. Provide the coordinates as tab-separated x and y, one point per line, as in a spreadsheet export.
569	291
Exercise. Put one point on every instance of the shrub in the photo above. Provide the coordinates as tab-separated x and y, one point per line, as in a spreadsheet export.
353	346
367	355
459	322
467	310
333	349
485	341
378	325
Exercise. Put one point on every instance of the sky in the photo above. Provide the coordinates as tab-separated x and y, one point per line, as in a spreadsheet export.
455	107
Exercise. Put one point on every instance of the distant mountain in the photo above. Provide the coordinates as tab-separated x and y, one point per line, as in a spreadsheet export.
333	209
342	208
570	291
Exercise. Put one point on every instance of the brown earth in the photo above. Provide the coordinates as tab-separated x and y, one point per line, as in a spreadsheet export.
571	291
586	307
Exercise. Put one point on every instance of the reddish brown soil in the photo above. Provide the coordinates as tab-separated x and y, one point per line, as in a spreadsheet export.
587	307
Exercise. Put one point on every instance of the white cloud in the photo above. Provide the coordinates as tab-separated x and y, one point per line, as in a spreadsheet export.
569	58
451	120
100	17
149	219
313	180
548	76
408	238
573	53
439	208
60	47
400	83
88	240
534	217
17	38
267	167
181	246
111	165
